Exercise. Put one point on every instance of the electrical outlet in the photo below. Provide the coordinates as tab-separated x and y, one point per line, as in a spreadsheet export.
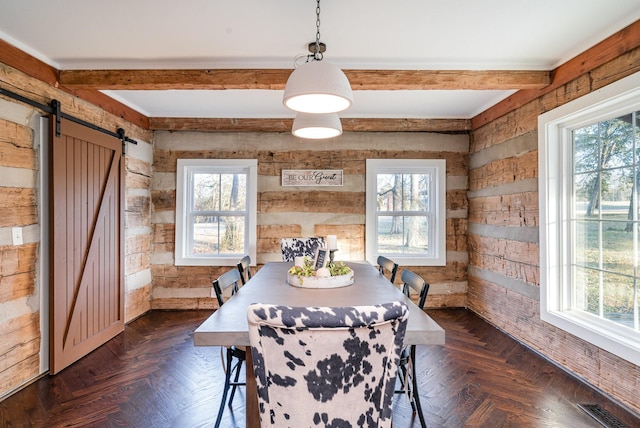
17	235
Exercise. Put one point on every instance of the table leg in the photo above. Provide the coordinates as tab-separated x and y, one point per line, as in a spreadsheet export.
251	394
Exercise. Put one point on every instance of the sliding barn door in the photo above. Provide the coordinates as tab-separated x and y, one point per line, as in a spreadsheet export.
87	281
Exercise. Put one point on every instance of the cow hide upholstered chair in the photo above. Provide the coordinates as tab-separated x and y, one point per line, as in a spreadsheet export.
326	366
298	247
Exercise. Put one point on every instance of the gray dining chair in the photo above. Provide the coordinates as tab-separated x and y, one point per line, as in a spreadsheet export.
298	247
244	268
227	283
412	284
386	264
326	366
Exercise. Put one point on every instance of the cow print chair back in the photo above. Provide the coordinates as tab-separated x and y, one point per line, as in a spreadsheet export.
326	366
298	247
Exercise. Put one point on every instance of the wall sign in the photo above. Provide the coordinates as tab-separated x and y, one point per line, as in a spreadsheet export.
312	177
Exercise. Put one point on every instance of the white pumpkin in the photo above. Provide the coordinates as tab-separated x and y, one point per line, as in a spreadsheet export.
323	273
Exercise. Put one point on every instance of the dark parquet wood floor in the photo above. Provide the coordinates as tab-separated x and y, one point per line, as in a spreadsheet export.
153	376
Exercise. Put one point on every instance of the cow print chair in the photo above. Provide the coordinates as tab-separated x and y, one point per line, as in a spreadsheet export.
326	366
298	247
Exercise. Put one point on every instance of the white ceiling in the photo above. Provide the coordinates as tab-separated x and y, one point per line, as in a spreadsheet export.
360	34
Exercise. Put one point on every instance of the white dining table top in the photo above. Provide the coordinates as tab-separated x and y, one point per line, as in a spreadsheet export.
228	325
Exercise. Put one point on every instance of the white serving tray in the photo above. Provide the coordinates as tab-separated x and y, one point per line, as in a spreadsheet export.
315	282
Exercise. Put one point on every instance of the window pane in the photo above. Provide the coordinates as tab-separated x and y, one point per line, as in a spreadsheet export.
415	192
206	196
232	233
403	234
416	234
586	195
581	291
617	185
390	233
585	148
389	192
586	295
205	235
616	142
617	247
587	247
213	235
233	189
618	299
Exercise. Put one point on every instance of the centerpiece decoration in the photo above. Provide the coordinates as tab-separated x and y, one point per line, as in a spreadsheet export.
309	275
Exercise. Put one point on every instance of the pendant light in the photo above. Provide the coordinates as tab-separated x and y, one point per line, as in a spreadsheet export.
317	126
317	86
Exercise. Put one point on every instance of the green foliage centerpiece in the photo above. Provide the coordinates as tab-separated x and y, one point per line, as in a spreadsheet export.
336	274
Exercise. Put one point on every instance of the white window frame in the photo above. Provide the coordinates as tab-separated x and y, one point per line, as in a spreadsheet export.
438	213
184	168
555	192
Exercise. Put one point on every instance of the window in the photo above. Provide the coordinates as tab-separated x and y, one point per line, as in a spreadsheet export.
406	211
589	160
215	211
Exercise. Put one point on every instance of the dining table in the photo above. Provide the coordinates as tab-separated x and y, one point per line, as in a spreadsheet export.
228	326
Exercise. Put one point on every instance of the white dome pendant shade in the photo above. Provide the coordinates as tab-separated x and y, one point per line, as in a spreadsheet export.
318	87
317	126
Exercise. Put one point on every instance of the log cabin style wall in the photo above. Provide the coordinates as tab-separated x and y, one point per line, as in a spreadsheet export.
19	284
304	211
504	259
21	281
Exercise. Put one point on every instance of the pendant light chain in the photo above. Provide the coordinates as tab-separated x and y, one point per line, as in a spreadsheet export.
317	55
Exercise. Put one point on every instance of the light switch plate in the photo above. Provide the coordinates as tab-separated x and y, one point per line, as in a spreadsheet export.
16	233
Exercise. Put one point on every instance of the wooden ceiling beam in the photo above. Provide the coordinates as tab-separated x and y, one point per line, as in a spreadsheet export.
284	125
275	79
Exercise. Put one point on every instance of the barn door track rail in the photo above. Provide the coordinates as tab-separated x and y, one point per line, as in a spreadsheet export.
55	108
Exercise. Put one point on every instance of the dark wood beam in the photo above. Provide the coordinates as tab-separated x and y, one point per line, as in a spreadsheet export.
284	125
275	79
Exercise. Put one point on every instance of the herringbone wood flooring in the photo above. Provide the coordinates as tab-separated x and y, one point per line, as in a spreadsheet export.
153	376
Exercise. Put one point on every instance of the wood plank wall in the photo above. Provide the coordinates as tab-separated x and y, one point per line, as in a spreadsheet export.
295	211
19	323
504	275
20	280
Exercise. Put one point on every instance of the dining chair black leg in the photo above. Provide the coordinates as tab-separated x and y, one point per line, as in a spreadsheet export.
405	388
409	387
235	382
227	380
414	382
